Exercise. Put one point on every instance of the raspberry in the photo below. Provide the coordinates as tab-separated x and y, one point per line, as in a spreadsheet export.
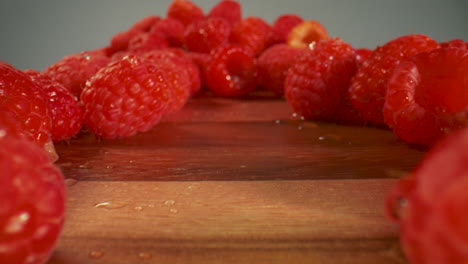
19	94
119	41
430	204
229	10
201	61
427	96
172	30
305	33
145	42
231	71
75	69
273	65
185	11
183	71
368	87
126	97
186	62
455	43
362	54
317	83
64	109
284	24
205	35
10	125
32	191
252	33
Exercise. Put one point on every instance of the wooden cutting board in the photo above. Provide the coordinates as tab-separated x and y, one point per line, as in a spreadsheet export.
233	181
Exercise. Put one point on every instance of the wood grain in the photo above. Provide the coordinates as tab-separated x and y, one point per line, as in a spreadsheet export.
233	181
338	221
240	151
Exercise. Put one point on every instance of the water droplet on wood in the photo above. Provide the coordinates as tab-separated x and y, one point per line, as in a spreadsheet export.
169	203
96	254
110	205
70	182
144	255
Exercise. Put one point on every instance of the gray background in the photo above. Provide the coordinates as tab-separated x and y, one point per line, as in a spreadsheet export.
36	33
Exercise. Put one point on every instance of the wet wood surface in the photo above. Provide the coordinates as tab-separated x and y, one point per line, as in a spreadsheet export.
233	181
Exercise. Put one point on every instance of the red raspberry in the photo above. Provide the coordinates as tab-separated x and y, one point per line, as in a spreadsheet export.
231	71
145	42
368	87
183	71
430	204
201	61
427	95
455	43
252	33
317	83
273	65
11	125
119	41
19	94
205	35
284	24
172	30
32	191
362	54
308	31
185	11
64	109
186	62
126	97
229	10
75	69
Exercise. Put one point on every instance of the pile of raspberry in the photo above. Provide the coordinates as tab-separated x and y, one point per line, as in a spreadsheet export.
412	85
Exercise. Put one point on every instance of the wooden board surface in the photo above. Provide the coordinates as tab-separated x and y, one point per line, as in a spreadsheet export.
233	181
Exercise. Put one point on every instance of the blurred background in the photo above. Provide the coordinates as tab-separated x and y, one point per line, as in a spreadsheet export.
35	34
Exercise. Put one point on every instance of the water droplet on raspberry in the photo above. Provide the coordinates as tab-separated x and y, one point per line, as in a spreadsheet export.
17	223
